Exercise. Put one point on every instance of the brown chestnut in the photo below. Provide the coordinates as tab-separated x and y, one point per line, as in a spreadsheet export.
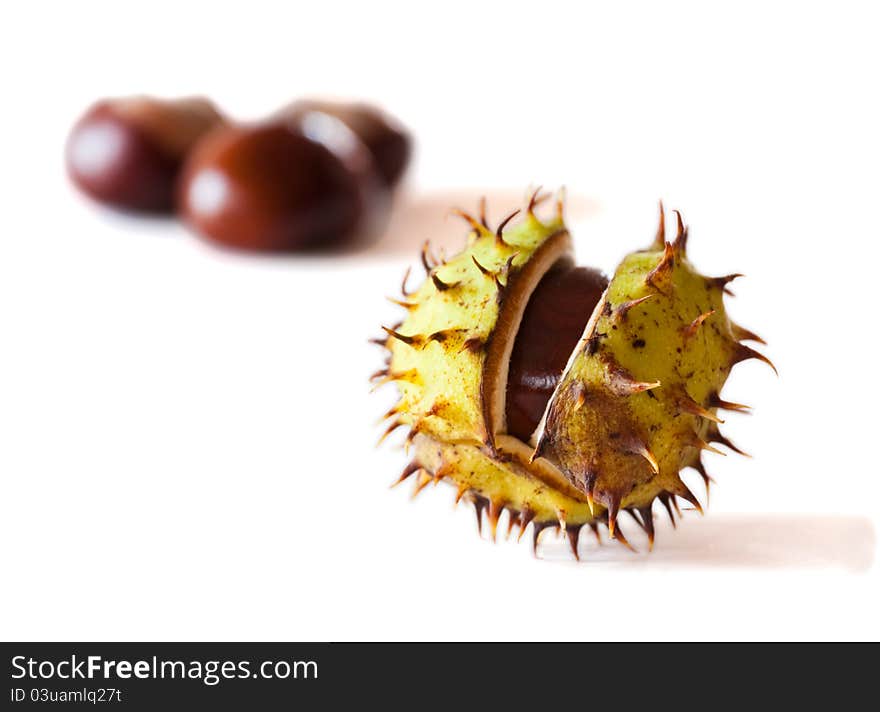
388	142
554	320
269	187
128	152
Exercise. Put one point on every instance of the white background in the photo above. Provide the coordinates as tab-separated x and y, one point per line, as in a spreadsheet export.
186	436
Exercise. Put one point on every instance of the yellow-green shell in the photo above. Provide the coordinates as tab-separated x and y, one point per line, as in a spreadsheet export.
438	352
637	402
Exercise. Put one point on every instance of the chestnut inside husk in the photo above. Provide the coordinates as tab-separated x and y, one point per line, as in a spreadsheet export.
554	320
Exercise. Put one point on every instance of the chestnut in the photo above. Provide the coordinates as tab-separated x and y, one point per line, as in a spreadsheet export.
127	152
554	320
388	142
270	187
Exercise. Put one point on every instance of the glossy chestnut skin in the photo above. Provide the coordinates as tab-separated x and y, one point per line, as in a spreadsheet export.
553	322
388	142
127	152
267	187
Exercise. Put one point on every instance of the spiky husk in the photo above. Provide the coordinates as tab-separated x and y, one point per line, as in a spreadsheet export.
637	402
454	343
639	399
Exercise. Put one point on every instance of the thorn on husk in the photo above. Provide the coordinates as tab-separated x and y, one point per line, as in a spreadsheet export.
620	313
440	284
536	199
407	472
691	329
475	224
715	401
499	231
403	289
525	518
647	514
686	404
573	534
414	340
660	236
742	334
681	235
744	353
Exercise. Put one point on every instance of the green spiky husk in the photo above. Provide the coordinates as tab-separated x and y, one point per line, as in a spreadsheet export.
636	403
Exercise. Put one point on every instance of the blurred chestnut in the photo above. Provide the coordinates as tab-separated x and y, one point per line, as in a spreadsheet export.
127	152
387	140
269	187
